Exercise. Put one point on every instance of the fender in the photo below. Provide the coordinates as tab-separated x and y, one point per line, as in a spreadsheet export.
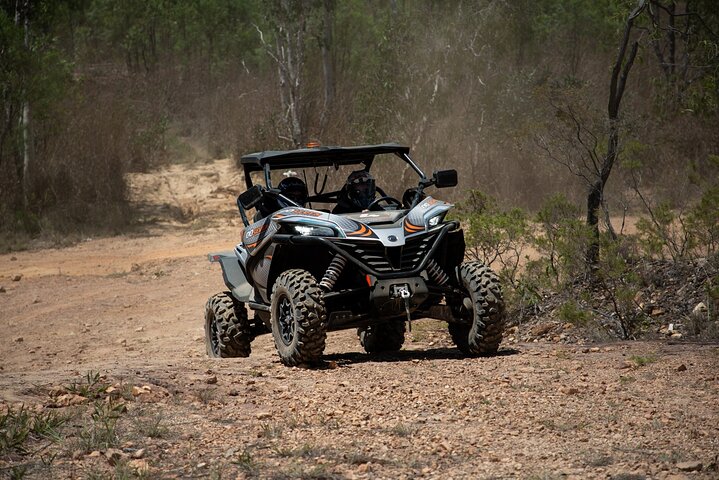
233	275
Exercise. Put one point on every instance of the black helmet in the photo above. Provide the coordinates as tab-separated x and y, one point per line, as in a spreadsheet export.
294	189
361	188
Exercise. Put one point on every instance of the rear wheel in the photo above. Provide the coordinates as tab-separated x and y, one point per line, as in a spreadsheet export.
228	332
481	310
298	318
385	337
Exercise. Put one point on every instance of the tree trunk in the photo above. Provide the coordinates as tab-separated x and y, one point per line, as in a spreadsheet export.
25	119
594	200
327	63
618	82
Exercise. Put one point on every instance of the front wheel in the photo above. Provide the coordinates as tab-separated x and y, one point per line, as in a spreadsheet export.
298	318
481	311
228	332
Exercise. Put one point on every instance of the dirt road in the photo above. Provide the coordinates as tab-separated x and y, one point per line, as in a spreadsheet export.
130	308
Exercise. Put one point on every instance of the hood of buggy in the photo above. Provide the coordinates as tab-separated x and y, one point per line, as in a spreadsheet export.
391	227
376	218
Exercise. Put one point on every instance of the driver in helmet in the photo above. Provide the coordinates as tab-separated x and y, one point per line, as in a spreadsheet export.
294	189
357	194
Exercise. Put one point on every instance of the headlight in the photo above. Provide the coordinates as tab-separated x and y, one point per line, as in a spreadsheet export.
434	221
312	230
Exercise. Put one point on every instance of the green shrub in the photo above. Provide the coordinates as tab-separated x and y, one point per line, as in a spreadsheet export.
563	240
703	222
494	236
664	234
571	312
616	275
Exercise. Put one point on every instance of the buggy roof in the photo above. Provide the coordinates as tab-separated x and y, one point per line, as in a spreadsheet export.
318	156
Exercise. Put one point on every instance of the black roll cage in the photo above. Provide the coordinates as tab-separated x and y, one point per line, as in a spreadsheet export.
322	157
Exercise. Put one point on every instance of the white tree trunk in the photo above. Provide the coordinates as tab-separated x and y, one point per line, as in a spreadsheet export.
25	119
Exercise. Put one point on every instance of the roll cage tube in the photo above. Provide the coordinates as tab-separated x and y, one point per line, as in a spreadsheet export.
424	182
265	171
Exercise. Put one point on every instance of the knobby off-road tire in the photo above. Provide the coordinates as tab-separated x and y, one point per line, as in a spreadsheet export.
484	334
228	332
386	337
298	318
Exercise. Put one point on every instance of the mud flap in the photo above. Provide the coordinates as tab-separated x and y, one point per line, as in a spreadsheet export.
233	275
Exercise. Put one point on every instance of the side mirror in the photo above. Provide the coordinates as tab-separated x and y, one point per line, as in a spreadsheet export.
250	198
445	178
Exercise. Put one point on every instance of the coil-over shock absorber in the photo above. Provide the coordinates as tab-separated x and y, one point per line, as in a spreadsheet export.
333	272
436	273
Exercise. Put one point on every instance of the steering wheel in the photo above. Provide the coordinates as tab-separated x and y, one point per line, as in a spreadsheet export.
386	198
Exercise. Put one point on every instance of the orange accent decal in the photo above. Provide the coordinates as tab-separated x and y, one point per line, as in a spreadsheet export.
308	213
411	228
363	231
252	245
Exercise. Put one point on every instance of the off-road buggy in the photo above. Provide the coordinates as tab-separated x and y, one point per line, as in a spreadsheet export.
304	271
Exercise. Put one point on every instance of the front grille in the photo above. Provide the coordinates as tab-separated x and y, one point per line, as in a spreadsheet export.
389	259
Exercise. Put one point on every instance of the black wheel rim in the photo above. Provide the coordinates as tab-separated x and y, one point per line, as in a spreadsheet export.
286	320
214	337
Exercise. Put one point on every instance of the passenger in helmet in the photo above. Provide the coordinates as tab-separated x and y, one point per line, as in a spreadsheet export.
357	193
294	189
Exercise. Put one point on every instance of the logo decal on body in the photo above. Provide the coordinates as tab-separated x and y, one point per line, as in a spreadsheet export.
256	231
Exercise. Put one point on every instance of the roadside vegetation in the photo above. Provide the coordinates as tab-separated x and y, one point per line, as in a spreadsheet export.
662	269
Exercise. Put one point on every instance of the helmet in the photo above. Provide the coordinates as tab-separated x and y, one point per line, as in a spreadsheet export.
361	188
294	189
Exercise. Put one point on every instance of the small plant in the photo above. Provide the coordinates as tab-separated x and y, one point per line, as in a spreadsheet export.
20	426
14	429
642	360
152	426
17	472
271	431
93	387
246	462
102	432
